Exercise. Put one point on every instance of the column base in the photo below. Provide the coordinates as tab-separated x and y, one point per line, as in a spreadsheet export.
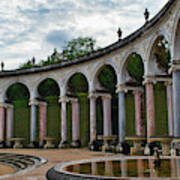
76	144
147	150
41	144
49	145
2	144
63	145
33	145
119	148
94	146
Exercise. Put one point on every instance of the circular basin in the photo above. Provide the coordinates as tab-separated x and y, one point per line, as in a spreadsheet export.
117	168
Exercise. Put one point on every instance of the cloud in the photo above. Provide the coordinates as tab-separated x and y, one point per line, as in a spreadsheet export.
35	27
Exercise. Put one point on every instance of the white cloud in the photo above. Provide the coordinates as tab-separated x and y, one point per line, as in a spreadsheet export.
35	27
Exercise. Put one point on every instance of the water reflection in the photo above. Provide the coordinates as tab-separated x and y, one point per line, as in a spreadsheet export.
129	168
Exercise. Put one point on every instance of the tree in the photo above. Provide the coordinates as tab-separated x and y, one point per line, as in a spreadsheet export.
78	47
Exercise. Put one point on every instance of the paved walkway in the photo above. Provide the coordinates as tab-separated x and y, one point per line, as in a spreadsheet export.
54	157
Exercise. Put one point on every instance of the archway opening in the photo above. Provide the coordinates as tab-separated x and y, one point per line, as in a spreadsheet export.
49	92
160	58
133	72
107	79
18	94
77	87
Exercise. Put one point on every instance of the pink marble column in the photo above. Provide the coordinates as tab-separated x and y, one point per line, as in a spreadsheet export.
140	126
107	115
9	126
75	120
150	110
170	108
42	119
92	118
2	119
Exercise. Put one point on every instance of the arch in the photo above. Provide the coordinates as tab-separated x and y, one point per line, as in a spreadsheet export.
46	83
124	72
98	69
154	37
17	86
68	77
71	85
154	64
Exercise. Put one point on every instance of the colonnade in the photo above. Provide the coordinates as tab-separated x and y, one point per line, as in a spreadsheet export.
173	104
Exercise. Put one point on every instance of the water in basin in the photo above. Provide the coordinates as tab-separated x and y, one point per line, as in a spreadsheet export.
128	168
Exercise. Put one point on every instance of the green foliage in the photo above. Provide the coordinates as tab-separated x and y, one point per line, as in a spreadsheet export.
135	67
75	48
107	78
78	47
48	88
161	114
130	115
17	91
78	83
162	53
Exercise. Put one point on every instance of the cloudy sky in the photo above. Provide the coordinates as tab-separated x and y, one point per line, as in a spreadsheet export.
35	27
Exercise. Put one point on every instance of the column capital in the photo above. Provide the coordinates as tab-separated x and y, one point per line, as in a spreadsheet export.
168	82
73	100
42	103
93	95
121	88
138	90
33	102
106	96
64	99
149	79
175	65
6	105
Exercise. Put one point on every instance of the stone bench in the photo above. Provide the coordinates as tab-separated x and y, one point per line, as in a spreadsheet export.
107	142
165	143
17	142
48	142
137	149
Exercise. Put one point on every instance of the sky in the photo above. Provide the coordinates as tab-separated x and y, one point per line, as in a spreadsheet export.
35	27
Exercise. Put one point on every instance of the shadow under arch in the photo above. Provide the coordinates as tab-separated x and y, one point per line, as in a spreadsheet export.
18	95
49	91
48	87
